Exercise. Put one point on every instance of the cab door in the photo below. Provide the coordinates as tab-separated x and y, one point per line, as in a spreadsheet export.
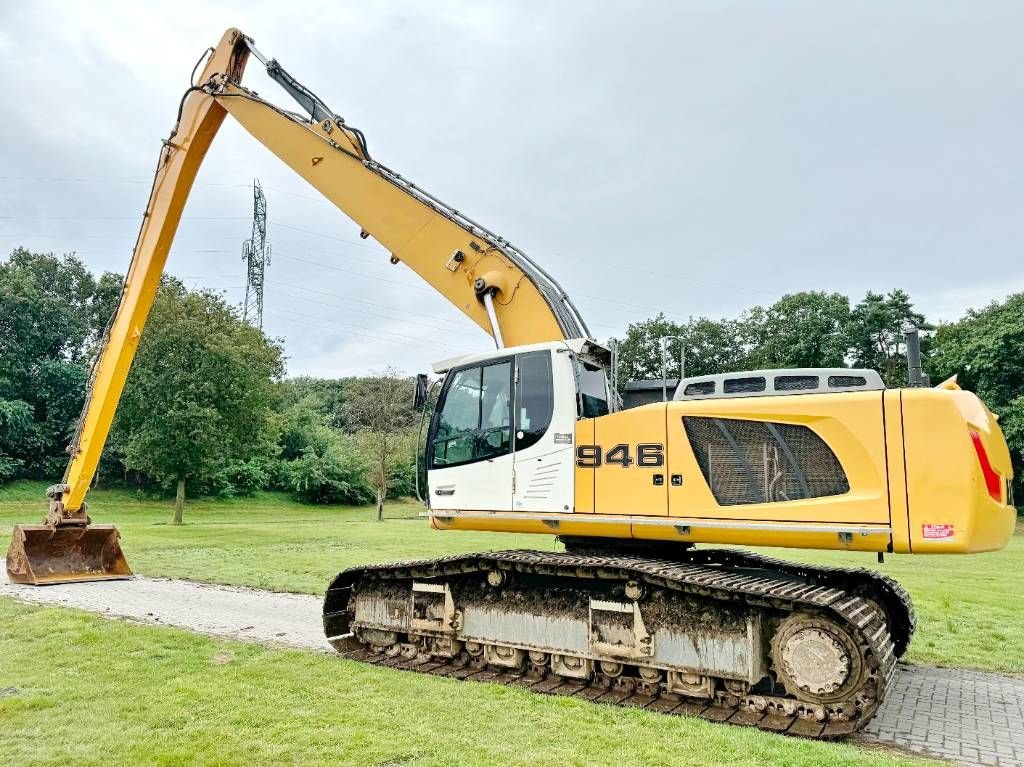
470	445
545	419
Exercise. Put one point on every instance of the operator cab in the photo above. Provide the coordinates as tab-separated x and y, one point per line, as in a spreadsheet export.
502	432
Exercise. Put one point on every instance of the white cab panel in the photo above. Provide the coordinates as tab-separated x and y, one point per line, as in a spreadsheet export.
544	471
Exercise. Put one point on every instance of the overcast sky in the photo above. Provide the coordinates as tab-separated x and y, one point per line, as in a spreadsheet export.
694	158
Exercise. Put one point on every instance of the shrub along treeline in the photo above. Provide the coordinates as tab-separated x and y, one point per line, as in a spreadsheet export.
206	410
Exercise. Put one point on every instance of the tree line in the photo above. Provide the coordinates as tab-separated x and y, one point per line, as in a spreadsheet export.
207	410
800	330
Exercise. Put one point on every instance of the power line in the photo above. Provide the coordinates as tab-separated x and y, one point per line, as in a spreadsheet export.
363	311
553	257
359	274
644	308
119	218
378	248
402	340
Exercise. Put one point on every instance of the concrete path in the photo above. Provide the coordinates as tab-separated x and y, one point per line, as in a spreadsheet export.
970	717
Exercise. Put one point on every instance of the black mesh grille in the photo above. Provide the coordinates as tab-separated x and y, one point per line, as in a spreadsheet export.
700	387
742	385
795	383
762	461
841	382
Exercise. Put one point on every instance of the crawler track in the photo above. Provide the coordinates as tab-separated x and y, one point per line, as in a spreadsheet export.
860	601
885	591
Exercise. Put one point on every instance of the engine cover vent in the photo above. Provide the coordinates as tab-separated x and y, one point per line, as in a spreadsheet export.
763	461
766	383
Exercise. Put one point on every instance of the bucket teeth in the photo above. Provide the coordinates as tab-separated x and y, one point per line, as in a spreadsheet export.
44	554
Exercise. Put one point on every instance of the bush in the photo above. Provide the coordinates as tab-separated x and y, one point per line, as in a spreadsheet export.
334	476
240	478
402	483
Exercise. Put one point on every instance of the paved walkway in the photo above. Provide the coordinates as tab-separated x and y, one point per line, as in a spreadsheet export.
967	716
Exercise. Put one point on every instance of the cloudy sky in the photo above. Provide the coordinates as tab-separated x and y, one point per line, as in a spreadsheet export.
688	157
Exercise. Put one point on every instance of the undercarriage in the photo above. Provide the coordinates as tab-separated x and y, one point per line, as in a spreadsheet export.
721	634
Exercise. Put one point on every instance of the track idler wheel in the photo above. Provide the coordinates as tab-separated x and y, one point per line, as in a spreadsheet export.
817	660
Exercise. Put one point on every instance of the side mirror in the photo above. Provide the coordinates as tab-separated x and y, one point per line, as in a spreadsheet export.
420	399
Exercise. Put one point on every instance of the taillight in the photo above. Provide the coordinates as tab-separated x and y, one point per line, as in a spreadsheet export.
993	482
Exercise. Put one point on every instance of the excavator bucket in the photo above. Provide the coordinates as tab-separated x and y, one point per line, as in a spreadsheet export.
43	554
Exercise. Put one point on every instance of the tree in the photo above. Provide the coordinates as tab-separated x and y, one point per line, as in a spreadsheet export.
801	330
15	422
200	392
876	334
985	350
326	395
712	346
380	409
50	308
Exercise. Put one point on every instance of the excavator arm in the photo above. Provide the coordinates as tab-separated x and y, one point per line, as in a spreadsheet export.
490	280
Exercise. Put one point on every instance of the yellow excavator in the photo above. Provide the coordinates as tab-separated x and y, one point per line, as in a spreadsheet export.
530	438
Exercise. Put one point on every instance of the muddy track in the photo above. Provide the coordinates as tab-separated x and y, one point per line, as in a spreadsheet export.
757	590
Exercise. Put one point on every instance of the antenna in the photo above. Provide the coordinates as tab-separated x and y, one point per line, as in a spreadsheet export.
256	254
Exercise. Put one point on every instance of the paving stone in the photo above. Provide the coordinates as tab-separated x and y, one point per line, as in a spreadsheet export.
969	717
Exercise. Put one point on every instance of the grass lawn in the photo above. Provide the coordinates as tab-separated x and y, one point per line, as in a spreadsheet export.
79	689
969	606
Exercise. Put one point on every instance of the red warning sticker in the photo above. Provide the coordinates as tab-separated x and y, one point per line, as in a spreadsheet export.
933	532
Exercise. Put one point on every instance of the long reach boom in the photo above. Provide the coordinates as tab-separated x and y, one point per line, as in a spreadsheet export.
485	276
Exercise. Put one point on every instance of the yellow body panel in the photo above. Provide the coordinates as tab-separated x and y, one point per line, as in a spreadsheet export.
800	535
907	454
629	490
896	469
945	484
850	423
584	478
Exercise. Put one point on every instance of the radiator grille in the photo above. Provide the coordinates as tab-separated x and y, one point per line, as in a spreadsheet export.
762	461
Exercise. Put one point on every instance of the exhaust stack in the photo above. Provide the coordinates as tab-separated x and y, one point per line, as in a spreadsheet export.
915	373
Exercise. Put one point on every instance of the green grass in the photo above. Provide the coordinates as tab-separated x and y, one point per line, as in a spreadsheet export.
79	689
266	541
968	606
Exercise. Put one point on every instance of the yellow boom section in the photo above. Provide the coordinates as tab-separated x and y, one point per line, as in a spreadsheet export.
199	119
469	265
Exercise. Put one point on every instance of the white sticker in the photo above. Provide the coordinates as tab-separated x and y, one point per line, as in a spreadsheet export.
937	532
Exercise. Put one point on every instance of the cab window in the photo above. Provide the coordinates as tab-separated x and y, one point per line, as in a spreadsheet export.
534	398
593	390
474	421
